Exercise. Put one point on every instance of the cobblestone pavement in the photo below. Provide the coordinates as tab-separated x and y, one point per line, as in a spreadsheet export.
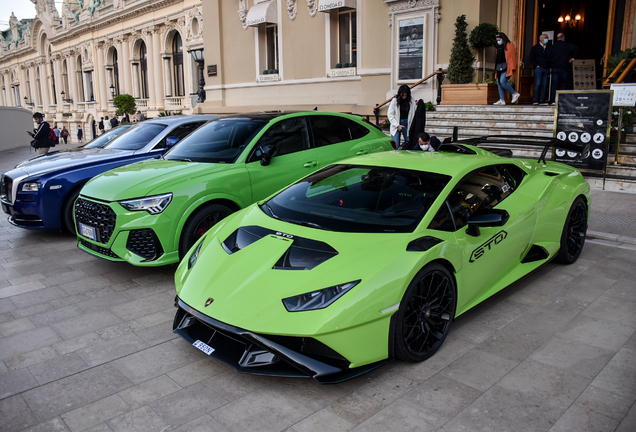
87	344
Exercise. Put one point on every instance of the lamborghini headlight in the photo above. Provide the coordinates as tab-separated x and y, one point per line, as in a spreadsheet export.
195	256
317	299
30	187
153	205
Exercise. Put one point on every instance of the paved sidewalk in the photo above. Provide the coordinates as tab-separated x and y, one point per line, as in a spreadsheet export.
86	345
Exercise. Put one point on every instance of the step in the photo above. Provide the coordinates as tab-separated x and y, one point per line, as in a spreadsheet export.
497	108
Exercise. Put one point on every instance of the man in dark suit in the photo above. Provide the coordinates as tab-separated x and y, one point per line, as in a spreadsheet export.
425	142
559	57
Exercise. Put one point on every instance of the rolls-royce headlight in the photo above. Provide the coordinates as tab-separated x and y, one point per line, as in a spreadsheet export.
30	187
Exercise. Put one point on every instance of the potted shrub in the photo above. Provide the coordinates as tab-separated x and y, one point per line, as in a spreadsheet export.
460	91
483	36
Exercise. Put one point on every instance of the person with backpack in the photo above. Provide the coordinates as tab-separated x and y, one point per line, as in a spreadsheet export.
65	134
80	133
41	135
57	133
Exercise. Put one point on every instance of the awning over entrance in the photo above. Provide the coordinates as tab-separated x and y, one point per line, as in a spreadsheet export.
327	5
262	13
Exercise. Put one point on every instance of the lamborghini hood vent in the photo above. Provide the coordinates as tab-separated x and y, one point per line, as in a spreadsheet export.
304	253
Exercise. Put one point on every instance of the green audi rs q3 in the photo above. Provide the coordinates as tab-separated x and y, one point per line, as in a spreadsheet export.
151	213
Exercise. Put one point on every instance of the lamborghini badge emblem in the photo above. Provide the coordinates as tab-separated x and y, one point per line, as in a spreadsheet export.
208	302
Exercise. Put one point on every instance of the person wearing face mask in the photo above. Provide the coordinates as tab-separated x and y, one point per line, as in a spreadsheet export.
427	143
541	70
506	67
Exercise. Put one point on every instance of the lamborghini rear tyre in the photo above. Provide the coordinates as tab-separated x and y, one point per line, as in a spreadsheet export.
425	314
573	236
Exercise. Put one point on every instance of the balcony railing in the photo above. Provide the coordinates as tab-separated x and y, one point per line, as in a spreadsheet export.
174	102
142	103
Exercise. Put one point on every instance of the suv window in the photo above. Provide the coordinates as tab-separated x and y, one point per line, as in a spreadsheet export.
287	136
329	130
357	130
137	136
179	132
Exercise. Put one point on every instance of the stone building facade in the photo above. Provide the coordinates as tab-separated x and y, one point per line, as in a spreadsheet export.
70	65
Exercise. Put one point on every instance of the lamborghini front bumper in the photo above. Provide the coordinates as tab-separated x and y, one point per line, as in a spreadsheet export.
253	353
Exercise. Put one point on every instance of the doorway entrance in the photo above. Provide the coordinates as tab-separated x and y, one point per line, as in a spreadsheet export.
598	31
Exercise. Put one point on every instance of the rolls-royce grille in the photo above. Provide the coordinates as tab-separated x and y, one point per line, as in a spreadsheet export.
98	249
99	216
144	242
6	189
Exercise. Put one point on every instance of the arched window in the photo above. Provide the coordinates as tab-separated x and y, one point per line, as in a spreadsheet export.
115	72
65	88
143	70
80	78
52	77
177	64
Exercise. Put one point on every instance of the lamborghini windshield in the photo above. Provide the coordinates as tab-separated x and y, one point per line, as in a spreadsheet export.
353	198
218	141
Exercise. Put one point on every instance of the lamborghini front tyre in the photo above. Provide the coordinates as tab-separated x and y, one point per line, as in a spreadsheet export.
573	236
425	314
201	220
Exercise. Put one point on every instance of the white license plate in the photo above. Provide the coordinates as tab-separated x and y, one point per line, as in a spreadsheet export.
88	231
203	347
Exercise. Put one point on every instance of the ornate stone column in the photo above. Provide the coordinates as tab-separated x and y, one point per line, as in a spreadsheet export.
32	84
136	88
156	63
23	81
59	86
166	73
44	85
151	75
100	76
124	65
3	102
72	78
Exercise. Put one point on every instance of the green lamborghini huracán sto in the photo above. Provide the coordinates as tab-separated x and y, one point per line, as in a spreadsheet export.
372	258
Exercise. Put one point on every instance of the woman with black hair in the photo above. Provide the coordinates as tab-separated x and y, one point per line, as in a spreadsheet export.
506	67
401	113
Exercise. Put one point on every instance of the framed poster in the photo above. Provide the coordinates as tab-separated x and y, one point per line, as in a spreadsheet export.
584	74
624	95
411	48
583	117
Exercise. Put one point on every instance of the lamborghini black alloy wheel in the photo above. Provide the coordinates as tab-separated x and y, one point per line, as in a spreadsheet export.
573	237
425	314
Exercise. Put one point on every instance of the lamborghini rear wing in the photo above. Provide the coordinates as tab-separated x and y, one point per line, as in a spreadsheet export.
582	150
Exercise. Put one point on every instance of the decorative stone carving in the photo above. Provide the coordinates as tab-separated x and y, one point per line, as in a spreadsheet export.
194	24
292	8
407	5
312	7
243	13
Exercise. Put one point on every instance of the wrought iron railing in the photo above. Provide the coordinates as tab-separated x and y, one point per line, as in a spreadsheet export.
441	74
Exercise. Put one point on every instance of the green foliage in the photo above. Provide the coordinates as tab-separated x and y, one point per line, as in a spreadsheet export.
460	66
429	106
615	59
483	36
487	79
125	104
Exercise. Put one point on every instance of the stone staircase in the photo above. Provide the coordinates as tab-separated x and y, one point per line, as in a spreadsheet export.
530	121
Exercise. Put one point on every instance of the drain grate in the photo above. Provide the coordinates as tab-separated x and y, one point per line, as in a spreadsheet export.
612	219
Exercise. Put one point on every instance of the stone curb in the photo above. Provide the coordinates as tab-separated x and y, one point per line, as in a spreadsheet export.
611	237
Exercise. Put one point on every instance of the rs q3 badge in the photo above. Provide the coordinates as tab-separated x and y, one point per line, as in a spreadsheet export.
208	302
488	245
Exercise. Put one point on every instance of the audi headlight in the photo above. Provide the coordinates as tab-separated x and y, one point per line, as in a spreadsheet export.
317	299
30	187
153	205
195	256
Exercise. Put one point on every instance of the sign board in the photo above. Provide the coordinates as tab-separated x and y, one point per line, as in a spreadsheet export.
624	95
211	70
583	117
584	74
